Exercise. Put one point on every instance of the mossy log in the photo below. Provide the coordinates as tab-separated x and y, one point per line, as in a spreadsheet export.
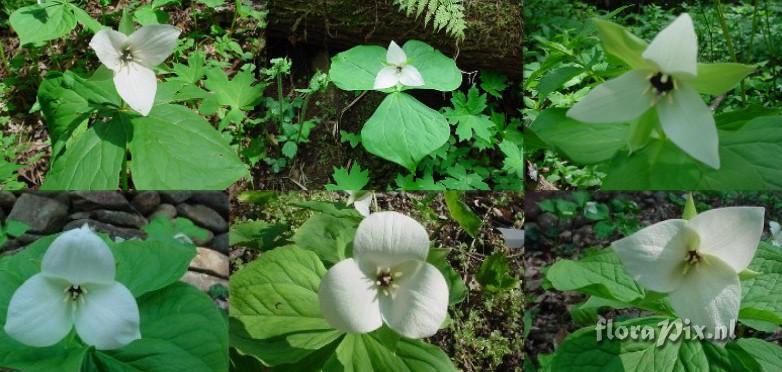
492	38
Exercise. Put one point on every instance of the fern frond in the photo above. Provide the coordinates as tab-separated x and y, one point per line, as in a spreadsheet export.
445	15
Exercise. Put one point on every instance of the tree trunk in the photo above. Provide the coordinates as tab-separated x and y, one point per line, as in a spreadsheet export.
492	38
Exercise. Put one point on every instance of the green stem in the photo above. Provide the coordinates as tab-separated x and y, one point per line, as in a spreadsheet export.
123	176
280	97
302	118
237	4
728	41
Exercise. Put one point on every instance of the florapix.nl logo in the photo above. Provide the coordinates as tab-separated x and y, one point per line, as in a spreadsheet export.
664	331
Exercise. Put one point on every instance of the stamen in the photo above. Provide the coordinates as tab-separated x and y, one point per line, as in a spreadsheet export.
662	83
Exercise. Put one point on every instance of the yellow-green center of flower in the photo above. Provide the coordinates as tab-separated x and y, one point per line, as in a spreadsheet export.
385	280
126	56
693	257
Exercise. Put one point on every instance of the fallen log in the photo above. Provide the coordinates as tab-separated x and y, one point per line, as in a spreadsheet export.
492	38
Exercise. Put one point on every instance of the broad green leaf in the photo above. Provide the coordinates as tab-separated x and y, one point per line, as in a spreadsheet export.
554	80
166	230
621	43
42	22
181	329
747	156
85	19
439	72
583	143
175	149
293	352
93	161
419	356
277	294
493	83
514	158
149	265
239	93
354	179
600	274
462	213
404	131
457	290
329	237
718	78
762	295
365	353
258	234
767	355
467	114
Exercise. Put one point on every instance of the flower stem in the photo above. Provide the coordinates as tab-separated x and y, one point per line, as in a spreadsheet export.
279	95
729	41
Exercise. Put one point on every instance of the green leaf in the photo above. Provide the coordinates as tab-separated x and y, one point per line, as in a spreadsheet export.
457	290
93	161
718	78
419	356
329	237
174	148
600	274
260	235
304	351
621	43
277	294
767	355
404	131
467	113
146	266
165	229
354	179
240	93
495	274
583	143
15	229
85	19
182	329
762	294
493	83
747	157
42	22
554	80
194	70
439	72
462	213
514	159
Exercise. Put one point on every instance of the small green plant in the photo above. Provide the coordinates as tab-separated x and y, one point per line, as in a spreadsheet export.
445	15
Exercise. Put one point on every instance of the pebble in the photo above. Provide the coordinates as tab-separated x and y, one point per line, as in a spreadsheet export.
44	215
203	281
119	218
165	210
7	200
175	197
91	200
211	262
217	201
146	202
111	230
203	216
220	243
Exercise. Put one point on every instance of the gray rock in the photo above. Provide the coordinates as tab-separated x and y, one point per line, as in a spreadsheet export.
43	215
119	218
202	216
91	200
28	238
2	214
7	200
10	245
146	202
205	242
165	210
175	197
216	200
111	230
220	243
210	262
203	281
80	215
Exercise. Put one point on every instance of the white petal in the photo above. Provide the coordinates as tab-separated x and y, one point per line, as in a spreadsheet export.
79	256
732	234
152	44
655	256
710	295
618	100
675	49
514	238
395	55
362	205
411	77
386	239
688	122
108	45
108	318
37	314
137	86
420	304
348	299
386	78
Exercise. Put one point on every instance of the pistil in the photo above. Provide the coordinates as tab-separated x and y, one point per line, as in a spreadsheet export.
385	280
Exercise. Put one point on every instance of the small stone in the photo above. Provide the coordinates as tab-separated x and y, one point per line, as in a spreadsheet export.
28	238
175	197
111	230
206	240
43	215
211	262
164	210
119	218
10	245
80	215
203	216
7	200
220	243
203	281
146	202
91	200
216	200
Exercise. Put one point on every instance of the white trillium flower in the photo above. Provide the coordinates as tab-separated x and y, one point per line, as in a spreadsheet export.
514	238
387	281
133	58
361	200
665	83
696	262
75	287
398	71
776	233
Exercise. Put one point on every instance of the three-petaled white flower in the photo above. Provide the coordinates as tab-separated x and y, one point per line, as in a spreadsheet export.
696	262
387	280
361	200
398	71
75	287
133	58
664	82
